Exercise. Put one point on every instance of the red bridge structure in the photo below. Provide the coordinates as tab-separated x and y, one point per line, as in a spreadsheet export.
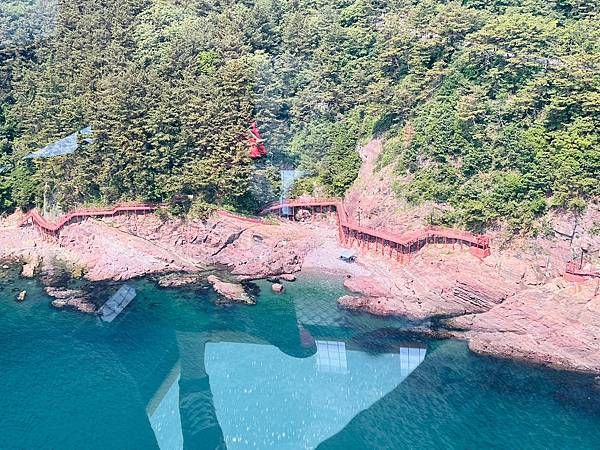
401	246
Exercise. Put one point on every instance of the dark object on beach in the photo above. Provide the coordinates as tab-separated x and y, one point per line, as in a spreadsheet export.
348	256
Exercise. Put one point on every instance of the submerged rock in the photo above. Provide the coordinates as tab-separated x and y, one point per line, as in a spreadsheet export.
180	279
381	306
278	288
231	291
71	298
78	304
61	293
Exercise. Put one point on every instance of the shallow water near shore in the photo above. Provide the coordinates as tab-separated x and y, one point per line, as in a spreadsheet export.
176	370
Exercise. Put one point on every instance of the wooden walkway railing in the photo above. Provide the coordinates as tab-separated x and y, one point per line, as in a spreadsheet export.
34	218
402	246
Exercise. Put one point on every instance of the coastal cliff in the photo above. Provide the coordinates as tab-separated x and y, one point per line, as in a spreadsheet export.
514	303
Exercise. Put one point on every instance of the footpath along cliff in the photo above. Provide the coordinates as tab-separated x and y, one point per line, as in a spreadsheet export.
125	247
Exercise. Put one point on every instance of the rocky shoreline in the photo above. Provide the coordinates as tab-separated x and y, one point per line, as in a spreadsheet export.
509	305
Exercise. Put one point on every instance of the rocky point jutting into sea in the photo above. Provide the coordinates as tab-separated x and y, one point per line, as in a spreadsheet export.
514	303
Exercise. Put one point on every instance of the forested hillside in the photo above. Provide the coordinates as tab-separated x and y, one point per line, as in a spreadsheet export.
490	107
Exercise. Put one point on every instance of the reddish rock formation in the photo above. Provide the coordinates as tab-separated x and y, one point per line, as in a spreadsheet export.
127	247
278	288
76	304
231	291
556	324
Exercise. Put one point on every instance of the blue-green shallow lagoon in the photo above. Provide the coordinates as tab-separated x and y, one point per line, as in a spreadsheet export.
176	370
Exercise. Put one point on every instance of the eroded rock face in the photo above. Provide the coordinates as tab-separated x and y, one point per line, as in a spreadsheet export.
231	291
432	287
367	285
503	306
250	251
555	324
123	247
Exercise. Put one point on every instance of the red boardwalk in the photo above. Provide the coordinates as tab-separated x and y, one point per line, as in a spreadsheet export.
53	229
394	245
400	246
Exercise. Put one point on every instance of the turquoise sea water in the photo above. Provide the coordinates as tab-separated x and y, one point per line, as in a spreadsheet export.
176	370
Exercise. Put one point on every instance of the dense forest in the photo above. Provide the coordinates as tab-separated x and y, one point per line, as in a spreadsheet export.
488	107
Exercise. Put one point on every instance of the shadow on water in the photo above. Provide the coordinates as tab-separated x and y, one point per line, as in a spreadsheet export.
175	369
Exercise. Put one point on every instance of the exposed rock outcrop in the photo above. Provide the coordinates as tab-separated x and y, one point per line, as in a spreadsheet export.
287	277
555	324
278	288
123	247
231	291
31	265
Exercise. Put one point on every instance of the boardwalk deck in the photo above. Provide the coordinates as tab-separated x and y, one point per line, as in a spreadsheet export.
34	218
400	245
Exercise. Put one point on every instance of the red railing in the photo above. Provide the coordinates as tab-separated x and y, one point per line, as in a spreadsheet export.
348	228
40	221
348	225
575	272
